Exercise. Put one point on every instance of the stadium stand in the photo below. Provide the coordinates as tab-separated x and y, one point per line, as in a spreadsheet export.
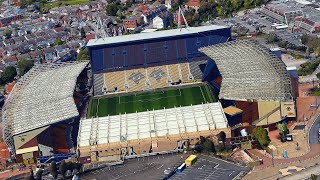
153	49
195	68
115	81
185	71
173	72
158	127
42	97
99	83
158	76
136	79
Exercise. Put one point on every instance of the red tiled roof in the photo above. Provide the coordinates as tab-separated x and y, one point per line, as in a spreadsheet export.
143	8
89	36
58	29
9	88
193	3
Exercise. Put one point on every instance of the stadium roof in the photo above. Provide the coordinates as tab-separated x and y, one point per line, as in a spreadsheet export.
42	97
151	124
152	35
249	71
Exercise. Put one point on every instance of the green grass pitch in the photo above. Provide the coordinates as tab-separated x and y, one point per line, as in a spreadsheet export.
169	98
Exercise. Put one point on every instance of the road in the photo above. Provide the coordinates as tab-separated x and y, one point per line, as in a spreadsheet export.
314	132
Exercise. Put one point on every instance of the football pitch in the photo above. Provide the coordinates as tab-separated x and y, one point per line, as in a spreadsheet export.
169	98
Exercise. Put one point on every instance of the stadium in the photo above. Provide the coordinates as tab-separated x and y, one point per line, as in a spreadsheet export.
150	95
159	92
41	114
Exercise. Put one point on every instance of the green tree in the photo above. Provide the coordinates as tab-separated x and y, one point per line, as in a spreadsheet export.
63	169
7	33
83	33
58	42
220	11
8	74
314	177
283	129
272	37
39	174
308	51
83	55
24	66
261	136
53	169
222	137
317	51
208	146
235	5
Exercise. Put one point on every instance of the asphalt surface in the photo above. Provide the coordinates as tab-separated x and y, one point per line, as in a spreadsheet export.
211	168
147	168
314	132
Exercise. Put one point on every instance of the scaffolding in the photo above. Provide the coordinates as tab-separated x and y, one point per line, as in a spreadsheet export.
249	71
41	97
151	124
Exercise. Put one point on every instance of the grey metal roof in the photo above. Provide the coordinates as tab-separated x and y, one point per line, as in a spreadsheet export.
152	35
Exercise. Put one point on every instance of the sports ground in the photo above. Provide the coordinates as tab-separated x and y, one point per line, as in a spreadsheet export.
138	102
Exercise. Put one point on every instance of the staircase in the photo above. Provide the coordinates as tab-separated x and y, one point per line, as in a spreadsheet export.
265	116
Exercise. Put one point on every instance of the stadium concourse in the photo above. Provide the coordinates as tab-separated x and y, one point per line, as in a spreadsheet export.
39	114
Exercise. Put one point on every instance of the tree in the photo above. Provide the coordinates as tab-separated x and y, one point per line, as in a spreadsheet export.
24	66
63	169
31	176
58	42
208	146
83	55
283	129
272	37
308	51
317	51
222	137
235	5
7	33
314	177
53	169
220	11
261	136
39	174
8	74
83	33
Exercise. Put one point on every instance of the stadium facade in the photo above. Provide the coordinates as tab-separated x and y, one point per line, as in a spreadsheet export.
41	115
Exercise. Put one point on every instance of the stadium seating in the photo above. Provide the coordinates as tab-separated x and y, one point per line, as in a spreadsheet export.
98	83
184	71
195	68
136	79
173	72
158	76
115	81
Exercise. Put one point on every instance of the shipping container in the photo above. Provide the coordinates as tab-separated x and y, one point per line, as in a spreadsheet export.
191	160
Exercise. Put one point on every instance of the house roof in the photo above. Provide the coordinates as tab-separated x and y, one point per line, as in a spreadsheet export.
49	50
193	3
232	111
